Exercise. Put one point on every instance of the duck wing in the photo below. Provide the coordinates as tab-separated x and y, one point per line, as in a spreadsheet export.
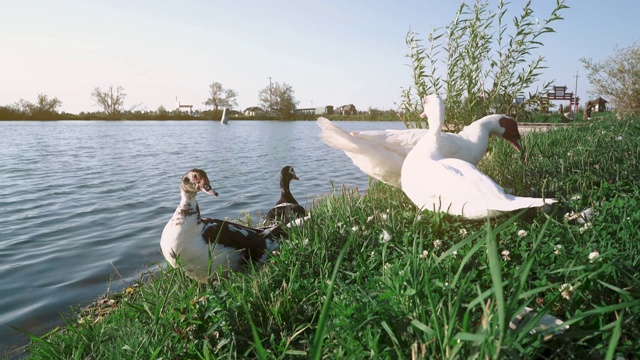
286	212
253	243
380	160
459	188
399	141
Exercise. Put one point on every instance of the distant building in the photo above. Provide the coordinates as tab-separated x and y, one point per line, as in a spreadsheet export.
599	104
254	111
349	109
324	110
304	111
187	108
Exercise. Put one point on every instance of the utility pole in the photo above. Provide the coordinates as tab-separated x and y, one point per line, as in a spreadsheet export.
576	92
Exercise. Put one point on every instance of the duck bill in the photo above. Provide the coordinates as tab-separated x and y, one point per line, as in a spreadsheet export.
207	189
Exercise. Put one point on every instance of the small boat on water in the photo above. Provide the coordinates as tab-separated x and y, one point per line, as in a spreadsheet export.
225	116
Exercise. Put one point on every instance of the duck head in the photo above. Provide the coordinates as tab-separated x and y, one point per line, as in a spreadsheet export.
196	180
287	174
510	133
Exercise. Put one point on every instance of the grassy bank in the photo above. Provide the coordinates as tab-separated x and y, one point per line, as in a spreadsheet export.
371	277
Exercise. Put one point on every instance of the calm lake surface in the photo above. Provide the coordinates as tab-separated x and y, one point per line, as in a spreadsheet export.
79	199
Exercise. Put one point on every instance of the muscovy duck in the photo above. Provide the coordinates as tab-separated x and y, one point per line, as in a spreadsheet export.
208	248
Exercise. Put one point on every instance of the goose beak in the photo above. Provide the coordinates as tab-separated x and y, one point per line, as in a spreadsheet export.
516	144
207	189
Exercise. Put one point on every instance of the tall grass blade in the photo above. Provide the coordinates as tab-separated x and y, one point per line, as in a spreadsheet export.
496	279
318	339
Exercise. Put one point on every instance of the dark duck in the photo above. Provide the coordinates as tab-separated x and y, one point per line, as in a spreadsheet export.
287	208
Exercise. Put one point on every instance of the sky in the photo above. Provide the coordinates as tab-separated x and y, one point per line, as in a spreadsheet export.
331	52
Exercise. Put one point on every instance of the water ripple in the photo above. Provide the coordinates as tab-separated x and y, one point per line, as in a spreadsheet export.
78	199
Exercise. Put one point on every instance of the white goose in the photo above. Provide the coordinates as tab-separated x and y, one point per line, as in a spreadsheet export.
457	187
380	154
206	245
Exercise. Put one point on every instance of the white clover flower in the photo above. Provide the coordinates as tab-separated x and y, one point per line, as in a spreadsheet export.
620	137
576	197
454	253
386	266
463	232
522	233
305	242
355	228
571	216
437	243
557	249
424	254
594	255
385	237
585	227
383	216
566	290
505	255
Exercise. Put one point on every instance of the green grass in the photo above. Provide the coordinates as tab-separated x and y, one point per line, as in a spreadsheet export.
554	118
371	277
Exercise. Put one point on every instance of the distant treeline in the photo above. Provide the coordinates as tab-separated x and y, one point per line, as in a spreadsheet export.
12	113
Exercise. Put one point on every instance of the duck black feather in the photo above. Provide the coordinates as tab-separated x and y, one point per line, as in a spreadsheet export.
250	242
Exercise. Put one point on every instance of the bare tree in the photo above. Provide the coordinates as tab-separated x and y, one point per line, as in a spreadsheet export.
111	100
221	97
43	108
617	78
278	98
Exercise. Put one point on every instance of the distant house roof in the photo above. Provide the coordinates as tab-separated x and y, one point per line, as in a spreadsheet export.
600	100
253	108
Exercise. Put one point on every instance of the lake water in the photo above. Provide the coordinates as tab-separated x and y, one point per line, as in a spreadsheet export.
79	199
